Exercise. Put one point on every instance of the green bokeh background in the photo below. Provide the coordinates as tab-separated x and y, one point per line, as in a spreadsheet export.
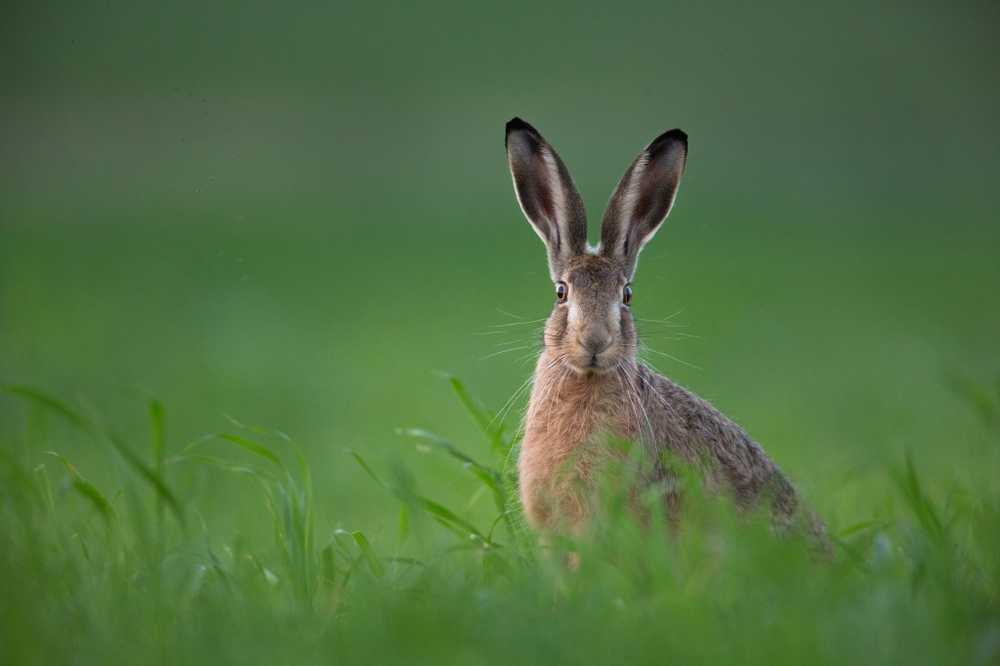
297	214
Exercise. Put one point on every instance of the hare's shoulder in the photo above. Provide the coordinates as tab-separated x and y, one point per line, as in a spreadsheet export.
691	426
683	420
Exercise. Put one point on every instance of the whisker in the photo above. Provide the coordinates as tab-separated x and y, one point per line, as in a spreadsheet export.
550	386
530	356
661	328
647	348
651	368
666	337
663	320
528	381
501	415
518	341
682	334
637	405
505	351
509	314
518	323
619	374
653	391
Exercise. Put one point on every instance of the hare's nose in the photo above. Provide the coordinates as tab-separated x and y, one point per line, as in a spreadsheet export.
595	343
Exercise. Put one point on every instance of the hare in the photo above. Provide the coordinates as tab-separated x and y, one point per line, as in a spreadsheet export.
589	388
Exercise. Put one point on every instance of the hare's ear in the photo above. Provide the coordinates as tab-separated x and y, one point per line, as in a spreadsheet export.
643	198
546	194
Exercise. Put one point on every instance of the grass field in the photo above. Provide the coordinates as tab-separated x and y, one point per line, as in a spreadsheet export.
155	509
266	296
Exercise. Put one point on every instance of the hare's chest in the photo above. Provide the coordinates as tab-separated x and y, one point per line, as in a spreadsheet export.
563	457
569	450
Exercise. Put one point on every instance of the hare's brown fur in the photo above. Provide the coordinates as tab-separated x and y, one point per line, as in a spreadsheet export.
589	387
571	415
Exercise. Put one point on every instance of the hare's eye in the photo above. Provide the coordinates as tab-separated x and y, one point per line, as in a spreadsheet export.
627	295
562	292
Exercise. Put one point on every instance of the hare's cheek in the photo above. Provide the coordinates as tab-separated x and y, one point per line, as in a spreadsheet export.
615	314
572	314
626	325
558	323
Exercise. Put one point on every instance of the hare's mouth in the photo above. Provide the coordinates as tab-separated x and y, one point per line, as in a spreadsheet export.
591	364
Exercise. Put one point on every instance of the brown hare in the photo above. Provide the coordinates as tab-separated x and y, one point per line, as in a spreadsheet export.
589	388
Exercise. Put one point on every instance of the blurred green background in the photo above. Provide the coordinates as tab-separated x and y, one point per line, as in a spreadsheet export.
297	214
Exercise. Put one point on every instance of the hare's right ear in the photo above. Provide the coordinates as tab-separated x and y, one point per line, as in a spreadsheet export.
546	194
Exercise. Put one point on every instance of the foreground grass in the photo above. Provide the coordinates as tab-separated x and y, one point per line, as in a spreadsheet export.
136	572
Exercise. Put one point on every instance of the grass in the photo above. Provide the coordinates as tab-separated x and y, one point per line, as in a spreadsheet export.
99	574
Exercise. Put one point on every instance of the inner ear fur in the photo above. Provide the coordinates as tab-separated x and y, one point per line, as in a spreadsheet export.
546	194
643	198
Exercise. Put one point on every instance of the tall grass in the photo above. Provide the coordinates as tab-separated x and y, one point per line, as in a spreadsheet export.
135	572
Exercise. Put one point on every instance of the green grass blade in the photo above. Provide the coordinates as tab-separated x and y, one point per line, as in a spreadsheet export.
45	488
447	515
479	415
304	469
51	403
403	524
436	441
441	513
158	442
910	487
369	554
489	424
328	566
487	475
222	464
158	445
88	490
365	466
977	397
152	478
252	446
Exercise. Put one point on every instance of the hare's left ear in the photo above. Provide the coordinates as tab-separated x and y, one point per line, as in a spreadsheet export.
546	194
643	199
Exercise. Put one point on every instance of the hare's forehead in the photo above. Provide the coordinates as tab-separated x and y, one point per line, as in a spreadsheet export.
592	273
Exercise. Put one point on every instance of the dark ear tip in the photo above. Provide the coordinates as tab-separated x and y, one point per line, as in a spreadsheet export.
515	124
669	137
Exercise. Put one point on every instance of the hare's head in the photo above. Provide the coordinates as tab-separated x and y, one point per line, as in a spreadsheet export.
591	326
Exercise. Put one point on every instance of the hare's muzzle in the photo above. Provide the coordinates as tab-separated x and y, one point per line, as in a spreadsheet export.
591	352
595	343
